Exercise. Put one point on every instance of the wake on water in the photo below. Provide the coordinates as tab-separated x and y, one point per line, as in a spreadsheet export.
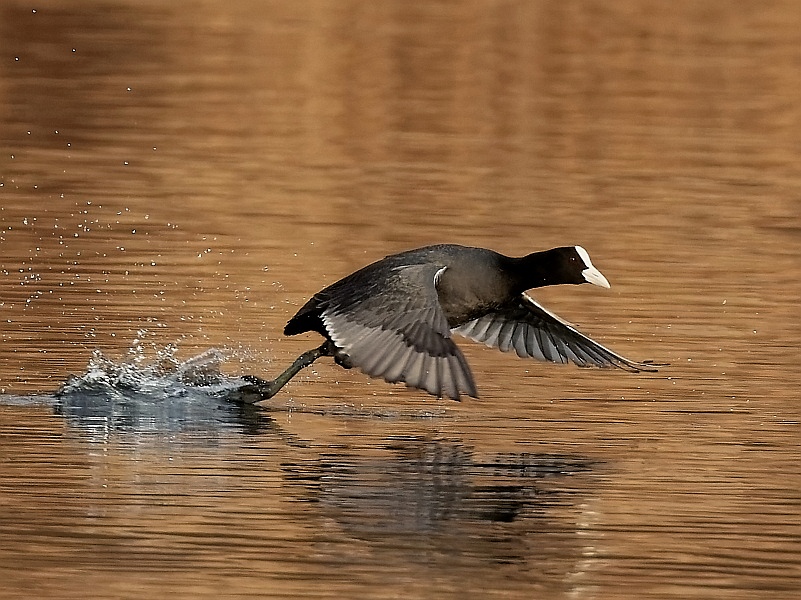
156	394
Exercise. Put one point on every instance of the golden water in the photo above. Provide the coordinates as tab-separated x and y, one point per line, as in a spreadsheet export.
188	173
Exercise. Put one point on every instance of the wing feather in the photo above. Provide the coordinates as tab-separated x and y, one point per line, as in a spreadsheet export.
400	334
534	332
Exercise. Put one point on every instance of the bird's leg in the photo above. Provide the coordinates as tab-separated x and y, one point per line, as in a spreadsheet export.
262	389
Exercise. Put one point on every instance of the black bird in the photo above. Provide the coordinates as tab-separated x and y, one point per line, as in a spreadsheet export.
395	318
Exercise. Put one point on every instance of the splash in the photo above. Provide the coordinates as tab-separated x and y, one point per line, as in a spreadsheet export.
159	378
147	394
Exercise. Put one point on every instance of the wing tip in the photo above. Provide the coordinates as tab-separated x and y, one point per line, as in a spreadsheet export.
633	366
457	396
650	366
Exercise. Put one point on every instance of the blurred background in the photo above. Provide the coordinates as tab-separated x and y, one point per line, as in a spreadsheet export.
185	175
198	170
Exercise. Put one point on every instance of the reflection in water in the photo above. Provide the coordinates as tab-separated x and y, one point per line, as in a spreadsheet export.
149	466
411	487
188	168
435	494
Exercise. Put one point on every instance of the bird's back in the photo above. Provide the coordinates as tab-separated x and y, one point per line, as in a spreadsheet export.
365	285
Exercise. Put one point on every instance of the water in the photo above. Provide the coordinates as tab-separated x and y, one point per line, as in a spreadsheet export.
176	180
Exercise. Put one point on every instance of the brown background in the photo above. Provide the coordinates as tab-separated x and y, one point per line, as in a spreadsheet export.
189	173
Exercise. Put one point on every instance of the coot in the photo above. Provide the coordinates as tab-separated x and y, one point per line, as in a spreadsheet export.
395	318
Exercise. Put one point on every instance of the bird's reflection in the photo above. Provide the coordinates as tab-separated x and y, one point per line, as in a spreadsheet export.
441	492
407	494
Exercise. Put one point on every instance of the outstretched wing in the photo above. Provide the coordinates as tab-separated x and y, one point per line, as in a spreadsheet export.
534	332
399	334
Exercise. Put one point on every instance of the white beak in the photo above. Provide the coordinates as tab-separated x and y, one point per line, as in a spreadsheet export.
594	276
590	273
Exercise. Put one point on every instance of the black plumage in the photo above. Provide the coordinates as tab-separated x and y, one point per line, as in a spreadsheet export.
395	318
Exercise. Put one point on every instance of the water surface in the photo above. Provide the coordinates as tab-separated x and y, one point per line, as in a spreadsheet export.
175	180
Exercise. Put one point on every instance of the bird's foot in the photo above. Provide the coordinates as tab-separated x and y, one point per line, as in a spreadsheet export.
255	390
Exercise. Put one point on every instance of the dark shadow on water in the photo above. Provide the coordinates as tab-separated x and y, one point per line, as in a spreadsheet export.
422	499
435	495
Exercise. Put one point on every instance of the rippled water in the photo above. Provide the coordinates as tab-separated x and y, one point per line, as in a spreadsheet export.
176	179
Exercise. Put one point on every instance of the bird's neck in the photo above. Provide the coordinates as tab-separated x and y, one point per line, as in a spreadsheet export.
532	271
